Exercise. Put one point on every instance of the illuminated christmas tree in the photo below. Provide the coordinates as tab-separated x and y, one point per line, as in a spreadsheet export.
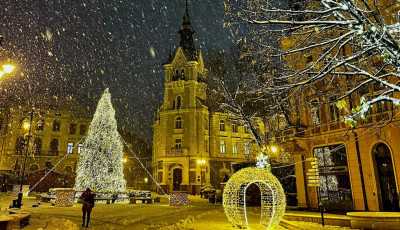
100	164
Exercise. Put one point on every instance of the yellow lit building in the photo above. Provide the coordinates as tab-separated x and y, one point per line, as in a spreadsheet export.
193	146
360	168
54	132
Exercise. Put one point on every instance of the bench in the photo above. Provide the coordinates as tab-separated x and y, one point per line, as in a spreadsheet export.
144	200
107	200
47	198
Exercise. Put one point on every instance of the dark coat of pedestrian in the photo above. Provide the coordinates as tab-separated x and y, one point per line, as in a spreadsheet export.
87	199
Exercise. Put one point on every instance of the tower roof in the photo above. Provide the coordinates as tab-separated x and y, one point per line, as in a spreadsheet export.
186	32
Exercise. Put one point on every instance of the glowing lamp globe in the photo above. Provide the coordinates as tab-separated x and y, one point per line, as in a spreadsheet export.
273	200
8	68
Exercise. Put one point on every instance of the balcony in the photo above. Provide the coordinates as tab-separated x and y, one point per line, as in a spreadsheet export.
176	152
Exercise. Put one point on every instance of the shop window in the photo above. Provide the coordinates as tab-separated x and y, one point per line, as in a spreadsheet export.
334	175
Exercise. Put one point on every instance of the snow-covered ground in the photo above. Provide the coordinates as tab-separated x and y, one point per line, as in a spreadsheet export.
198	215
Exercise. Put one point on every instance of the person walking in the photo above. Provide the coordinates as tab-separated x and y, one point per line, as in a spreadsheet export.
87	199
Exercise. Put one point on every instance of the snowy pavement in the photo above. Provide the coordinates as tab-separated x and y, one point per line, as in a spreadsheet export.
198	215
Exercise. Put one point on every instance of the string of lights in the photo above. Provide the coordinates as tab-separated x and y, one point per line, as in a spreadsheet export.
140	162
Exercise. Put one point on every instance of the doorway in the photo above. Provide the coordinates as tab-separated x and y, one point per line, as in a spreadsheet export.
177	179
387	190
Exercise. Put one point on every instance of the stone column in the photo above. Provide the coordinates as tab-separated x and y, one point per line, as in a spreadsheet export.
301	189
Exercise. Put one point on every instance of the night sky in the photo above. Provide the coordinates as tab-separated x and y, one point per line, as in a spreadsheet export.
79	48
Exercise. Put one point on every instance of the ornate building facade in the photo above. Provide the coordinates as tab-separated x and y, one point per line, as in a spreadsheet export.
193	146
54	133
359	168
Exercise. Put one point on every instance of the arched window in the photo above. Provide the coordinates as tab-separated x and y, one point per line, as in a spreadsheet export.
54	147
221	125
19	145
178	102
68	169
37	146
178	123
33	167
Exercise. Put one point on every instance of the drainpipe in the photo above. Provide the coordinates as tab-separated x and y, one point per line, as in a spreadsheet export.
361	171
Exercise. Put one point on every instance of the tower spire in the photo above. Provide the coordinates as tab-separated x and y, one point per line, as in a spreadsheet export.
186	31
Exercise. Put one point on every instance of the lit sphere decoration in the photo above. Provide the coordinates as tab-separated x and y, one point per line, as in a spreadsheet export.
273	200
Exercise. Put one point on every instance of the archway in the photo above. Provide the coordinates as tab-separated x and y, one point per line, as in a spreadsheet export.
272	197
386	181
177	179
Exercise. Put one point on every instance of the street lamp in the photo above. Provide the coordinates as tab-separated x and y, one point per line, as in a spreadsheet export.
201	163
27	125
6	66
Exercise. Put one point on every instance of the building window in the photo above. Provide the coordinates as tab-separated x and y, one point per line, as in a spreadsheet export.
178	143
39	125
247	148
235	148
333	113
82	130
206	146
1	124
183	74
205	123
37	146
221	125
234	128
54	147
178	102
70	147
19	145
382	106
334	176
80	147
72	128
246	129
315	113
178	123
56	126
222	147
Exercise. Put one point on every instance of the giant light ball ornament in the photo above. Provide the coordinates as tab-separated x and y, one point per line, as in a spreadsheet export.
273	200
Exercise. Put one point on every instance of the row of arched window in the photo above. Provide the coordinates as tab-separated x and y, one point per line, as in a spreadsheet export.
35	166
37	146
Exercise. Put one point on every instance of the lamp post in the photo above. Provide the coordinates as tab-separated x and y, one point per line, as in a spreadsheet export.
27	125
201	163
